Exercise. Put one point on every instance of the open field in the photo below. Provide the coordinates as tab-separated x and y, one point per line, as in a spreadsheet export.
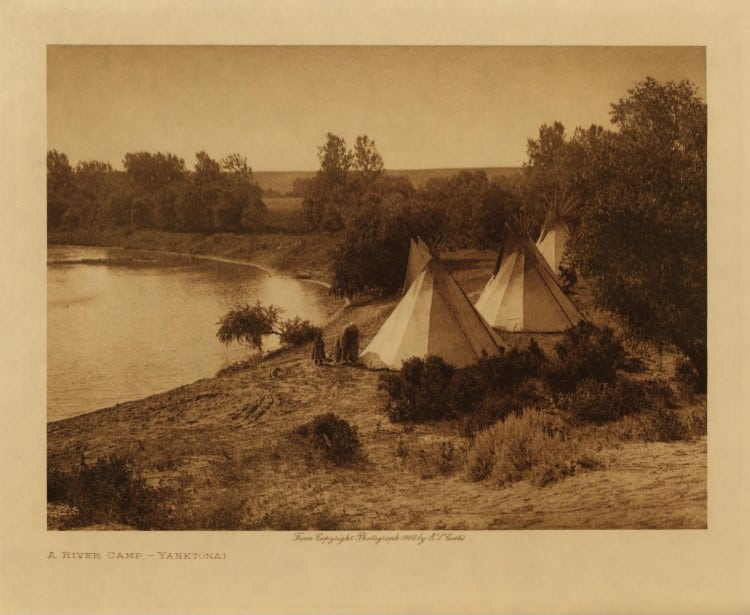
281	181
227	448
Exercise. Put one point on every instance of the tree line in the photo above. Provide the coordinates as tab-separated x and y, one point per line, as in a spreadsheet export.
155	191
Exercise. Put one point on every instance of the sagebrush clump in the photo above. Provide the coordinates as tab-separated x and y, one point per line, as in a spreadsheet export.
334	437
530	446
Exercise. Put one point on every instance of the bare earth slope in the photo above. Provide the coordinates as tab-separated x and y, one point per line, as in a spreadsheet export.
224	442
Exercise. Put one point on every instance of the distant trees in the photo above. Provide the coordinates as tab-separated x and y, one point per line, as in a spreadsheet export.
60	187
155	191
342	183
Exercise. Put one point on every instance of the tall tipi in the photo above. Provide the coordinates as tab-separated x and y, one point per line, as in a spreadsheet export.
553	239
523	294
434	317
419	256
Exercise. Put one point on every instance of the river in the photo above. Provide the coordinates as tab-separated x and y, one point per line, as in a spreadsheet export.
124	324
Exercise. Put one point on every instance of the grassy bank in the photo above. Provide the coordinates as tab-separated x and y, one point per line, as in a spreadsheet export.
295	255
236	451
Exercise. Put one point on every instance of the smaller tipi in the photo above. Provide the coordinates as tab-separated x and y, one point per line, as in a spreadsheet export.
419	256
523	294
553	239
434	317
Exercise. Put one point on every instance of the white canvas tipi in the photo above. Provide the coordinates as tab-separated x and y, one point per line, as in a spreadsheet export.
419	256
524	295
553	239
434	317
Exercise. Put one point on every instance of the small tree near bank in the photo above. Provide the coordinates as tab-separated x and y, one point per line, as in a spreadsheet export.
249	324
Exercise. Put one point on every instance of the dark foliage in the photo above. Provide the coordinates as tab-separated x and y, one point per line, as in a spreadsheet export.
599	402
110	490
419	392
155	191
248	324
297	332
585	352
334	437
429	389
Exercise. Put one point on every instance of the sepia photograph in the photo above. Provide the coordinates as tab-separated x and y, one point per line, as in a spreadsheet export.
374	307
376	288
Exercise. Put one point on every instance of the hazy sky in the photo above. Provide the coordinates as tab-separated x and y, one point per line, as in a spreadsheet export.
425	107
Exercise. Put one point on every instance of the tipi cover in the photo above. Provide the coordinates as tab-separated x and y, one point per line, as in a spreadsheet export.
419	256
553	239
524	295
434	317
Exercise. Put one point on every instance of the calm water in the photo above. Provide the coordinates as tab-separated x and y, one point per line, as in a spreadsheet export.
122	325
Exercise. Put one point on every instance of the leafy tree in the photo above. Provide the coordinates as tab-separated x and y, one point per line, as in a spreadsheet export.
241	195
154	179
643	232
367	165
343	182
335	161
552	176
372	253
248	324
60	187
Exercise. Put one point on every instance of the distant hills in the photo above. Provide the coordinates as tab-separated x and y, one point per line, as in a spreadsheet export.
281	181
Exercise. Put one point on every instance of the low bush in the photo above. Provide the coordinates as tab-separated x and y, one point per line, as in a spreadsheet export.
496	406
529	446
429	389
439	459
334	437
419	392
599	402
585	353
297	332
110	490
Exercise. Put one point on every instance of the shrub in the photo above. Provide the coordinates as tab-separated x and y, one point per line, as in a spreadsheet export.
418	392
585	352
509	368
110	490
58	485
440	459
599	402
530	446
687	374
497	405
297	332
429	389
334	436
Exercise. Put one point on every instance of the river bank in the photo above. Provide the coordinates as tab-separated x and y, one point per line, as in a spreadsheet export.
299	256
